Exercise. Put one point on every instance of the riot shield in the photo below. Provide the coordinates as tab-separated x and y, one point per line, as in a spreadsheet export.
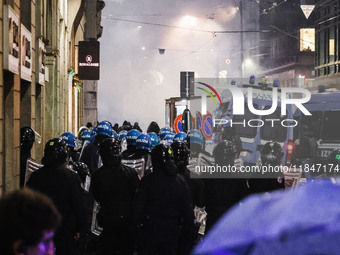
82	149
95	228
200	219
202	160
137	164
31	166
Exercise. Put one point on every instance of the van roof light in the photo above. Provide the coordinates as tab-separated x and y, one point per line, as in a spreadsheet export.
252	79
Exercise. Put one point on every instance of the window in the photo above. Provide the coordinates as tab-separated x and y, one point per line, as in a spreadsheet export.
310	125
273	130
331	126
245	131
25	13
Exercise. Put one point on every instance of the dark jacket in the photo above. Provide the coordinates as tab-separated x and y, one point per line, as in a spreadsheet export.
114	189
90	157
196	187
163	206
221	194
24	156
153	127
63	186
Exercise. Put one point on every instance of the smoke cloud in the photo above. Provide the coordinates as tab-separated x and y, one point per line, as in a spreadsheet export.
135	78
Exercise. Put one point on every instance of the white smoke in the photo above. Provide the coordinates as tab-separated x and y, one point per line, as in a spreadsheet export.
135	82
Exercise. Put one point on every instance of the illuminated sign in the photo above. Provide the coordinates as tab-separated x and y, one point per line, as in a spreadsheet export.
307	39
88	60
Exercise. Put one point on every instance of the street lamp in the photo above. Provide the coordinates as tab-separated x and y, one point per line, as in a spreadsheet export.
189	21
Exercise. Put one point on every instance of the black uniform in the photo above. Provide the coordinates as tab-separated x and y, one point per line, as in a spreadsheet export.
114	188
271	155
163	207
221	194
73	155
63	186
129	153
196	187
27	137
230	135
90	157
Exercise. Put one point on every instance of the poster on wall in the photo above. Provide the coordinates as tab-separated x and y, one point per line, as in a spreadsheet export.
11	40
26	54
41	55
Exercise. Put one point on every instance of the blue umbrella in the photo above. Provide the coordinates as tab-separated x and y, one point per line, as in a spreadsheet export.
305	220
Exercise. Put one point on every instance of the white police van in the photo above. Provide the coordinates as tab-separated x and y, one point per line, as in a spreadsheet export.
322	127
256	130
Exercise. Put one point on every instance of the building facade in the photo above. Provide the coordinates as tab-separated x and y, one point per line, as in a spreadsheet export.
39	87
287	45
327	61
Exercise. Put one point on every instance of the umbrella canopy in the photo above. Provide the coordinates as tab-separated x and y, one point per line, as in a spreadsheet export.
305	220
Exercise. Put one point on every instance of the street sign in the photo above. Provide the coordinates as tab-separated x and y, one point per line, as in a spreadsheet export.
307	10
207	126
88	60
199	119
178	123
187	82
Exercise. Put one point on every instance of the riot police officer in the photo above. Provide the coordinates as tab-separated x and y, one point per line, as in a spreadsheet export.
143	147
27	137
163	207
85	177
194	140
131	139
195	184
63	186
114	185
90	154
71	142
334	162
222	192
230	135
271	156
154	139
163	132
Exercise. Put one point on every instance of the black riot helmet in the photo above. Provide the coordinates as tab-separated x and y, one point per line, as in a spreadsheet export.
161	155
55	152
334	162
27	137
271	153
334	157
225	153
82	170
110	152
181	154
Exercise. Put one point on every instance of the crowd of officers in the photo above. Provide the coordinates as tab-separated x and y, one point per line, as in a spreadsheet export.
155	209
